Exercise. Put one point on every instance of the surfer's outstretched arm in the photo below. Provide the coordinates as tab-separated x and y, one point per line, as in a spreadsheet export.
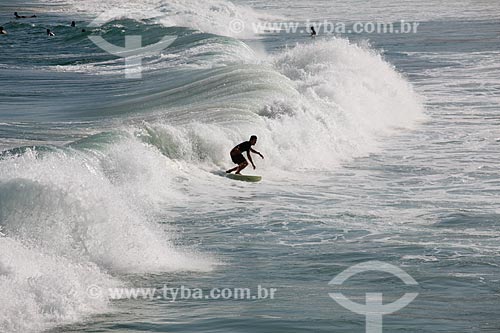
256	152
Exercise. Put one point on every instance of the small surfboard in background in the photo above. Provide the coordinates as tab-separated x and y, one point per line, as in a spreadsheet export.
244	178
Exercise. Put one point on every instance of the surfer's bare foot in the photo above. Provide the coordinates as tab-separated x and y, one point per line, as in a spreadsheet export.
229	171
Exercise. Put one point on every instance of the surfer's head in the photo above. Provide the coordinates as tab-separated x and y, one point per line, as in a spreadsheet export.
253	139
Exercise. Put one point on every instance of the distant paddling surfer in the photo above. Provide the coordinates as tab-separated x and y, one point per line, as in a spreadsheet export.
22	16
237	155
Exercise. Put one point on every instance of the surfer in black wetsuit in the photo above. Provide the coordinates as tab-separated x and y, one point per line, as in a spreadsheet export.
237	155
2	31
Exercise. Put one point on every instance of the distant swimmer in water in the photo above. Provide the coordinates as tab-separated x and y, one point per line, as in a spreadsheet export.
73	24
50	33
2	31
237	155
20	17
313	32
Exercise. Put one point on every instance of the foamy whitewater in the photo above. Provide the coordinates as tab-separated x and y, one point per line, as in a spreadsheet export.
377	147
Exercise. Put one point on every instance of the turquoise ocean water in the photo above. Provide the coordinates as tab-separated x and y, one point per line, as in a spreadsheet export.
377	147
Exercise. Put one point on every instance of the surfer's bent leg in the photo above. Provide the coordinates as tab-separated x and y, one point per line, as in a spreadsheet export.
239	160
241	167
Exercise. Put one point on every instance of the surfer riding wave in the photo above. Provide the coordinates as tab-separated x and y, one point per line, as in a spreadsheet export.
237	155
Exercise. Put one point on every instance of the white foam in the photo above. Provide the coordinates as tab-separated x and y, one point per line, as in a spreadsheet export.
98	207
40	291
425	258
349	98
